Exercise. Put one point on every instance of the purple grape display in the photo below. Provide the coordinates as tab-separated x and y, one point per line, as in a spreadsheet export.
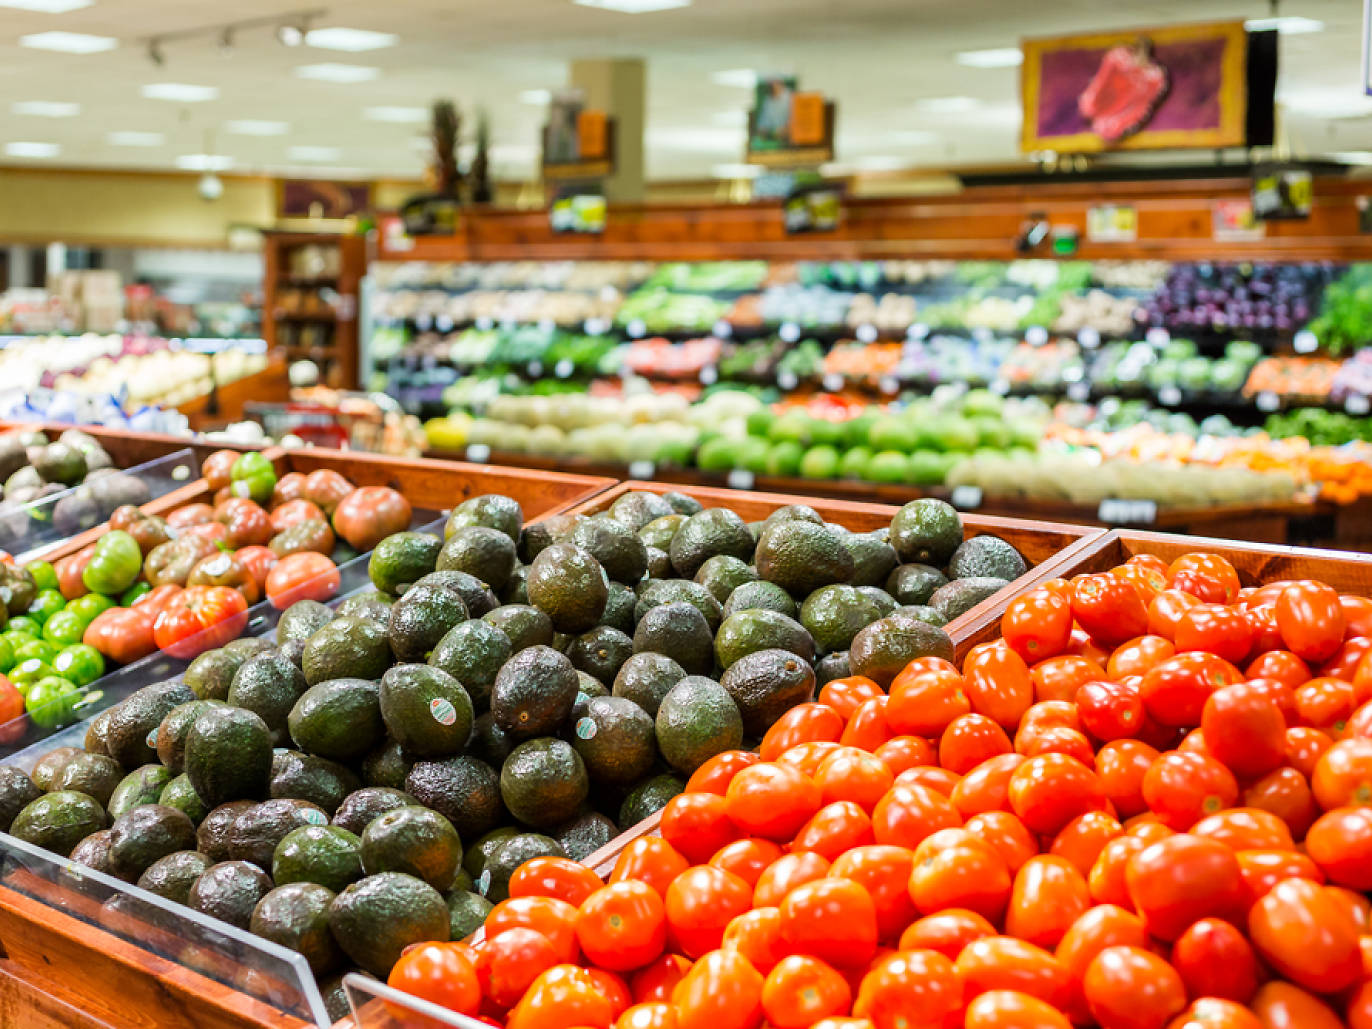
1253	296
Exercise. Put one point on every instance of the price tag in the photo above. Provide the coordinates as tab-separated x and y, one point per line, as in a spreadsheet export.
917	332
636	329
546	326
1305	342
1078	392
722	329
1158	336
564	368
889	385
423	322
740	478
709	375
966	498
478	453
535	369
1169	396
789	332
596	326
443	323
867	333
608	293
982	334
641	469
1000	386
1036	335
1089	337
787	380
1267	401
832	382
1357	404
1127	512
485	324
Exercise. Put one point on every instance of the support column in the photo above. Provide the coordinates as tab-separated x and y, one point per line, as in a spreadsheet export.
618	86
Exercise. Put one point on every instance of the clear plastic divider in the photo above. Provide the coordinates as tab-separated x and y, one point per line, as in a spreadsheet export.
377	1006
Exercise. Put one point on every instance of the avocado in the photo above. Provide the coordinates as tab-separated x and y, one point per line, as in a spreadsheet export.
58	821
375	919
47	767
600	652
585	834
873	558
144	835
175	727
491	510
986	556
760	594
800	556
568	585
268	685
17	791
489	743
830	667
180	794
257	831
646	678
617	548
926	531
473	653
493	880
697	720
765	685
467	912
539	536
308	777
534	693
681	503
722	574
210	675
133	720
832	615
745	632
884	602
679	631
793	513
95	741
92	774
659	564
886	646
94	852
924	613
414	840
421	618
615	740
229	891
361	806
58	462
659	532
465	790
347	646
587	686
476	855
961	595
516	591
639	507
914	583
476	595
172	876
619	608
229	755
335	995
216	829
339	719
402	559
705	534
372	607
387	765
479	550
656	592
649	797
296	916
426	710
302	620
543	782
141	786
323	854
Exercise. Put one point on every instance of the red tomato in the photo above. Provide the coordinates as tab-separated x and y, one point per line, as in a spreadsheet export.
999	1009
1245	829
200	619
1325	704
801	990
1286	794
1311	620
931	777
997	685
1005	963
1007	834
555	919
1280	666
1083	838
1216	629
1263	869
323	486
907	814
1175	691
1166	610
1110	710
804	723
1215	960
1244	729
807	757
293	512
1340	842
1181	879
771	800
1306	935
563	997
554	877
926	702
652	860
1121	766
721	991
369	514
1037	624
1048	791
1108	608
1147	582
506	964
245	523
835	828
786	873
123	635
1343	774
853	775
622	926
1344	664
656	980
901	753
700	902
1132	988
910	988
697	825
756	934
715	774
1215	1013
986	787
652	1015
969	740
1105	925
947	932
1209	576
259	561
884	872
1107	880
747	859
1305	747
1049	894
191	514
1280	1005
1059	678
844	696
303	576
1181	787
1136	656
157	598
70	570
440	973
955	869
832	919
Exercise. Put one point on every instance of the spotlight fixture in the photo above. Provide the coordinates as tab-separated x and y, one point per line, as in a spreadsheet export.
155	54
290	34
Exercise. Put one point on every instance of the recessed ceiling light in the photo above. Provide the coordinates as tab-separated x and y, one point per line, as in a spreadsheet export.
32	149
947	104
68	42
47	6
180	92
633	6
254	127
399	115
342	73
314	153
353	41
205	162
742	78
46	108
735	171
535	96
996	57
131	138
1287	25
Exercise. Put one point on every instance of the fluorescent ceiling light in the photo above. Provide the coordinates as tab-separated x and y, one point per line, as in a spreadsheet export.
205	162
68	42
912	137
341	73
689	138
398	115
535	96
180	92
736	171
514	152
324	154
1289	25
633	6
135	138
32	149
881	162
353	41
1319	102
46	108
1352	156
255	127
741	78
47	6
996	57
734	118
947	104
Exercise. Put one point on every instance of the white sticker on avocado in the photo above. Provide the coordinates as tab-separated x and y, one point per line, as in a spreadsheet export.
581	697
443	711
152	740
484	883
314	817
585	728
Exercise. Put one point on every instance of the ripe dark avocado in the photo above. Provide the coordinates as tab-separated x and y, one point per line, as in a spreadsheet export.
17	791
491	510
679	631
766	684
523	625
886	646
961	595
697	720
473	653
426	710
58	821
986	556
94	852
681	503
873	557
659	564
923	613
476	855
173	730
914	583
656	592
402	559
926	531
832	666
705	534
268	684
302	620
832	615
489	743
229	891
479	550
255	833
46	768
141	786
534	693
347	646
620	551
639	507
568	585
375	607
619	608
308	777
180	794
92	774
361	806
615	739
761	594
543	782
475	594
648	798
323	854
210	674
885	603
646	678
585	834
800	556
465	790
723	573
600	652
793	513
229	755
387	765
745	632
133	719
493	880
216	829
338	719
95	733
172	876
297	917
421	618
414	840
375	919
146	834
659	532
467	912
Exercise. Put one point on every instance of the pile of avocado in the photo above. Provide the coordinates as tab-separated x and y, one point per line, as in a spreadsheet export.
375	776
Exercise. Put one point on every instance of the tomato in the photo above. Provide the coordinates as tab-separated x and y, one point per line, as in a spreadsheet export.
1216	629
555	919
986	787
293	512
302	576
835	828
716	773
554	877
955	869
832	919
1057	740
883	871
563	997
1215	1013
155	601
1147	581
1166	611
844	696
747	858
1102	926
1263	869
246	524
1244	729
968	741
11	702
1059	678
1181	879
868	728
1286	794
1132	988
700	902
807	757
1326	704
656	980
252	475
901	753
1215	960
997	684
1083	838
225	569
697	825
653	1015
1007	834
999	1009
1175	691
1050	714
1181	787
1340	842
1048	791
926	702
1037	624
854	775
932	777
311	535
622	926
771	800
114	564
652	860
721	991
123	635
1110	710
1343	774
1137	656
1307	936
1049	894
1005	963
1344	664
1107	879
910	988
200	619
946	932
804	723
756	934
507	963
1305	747
1311	620
440	973
1246	829
786	873
369	514
1121	766
801	990
1280	1005
1211	577
191	514
908	813
1108	608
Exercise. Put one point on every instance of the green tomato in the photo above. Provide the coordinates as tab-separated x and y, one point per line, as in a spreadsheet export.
51	702
80	663
46	604
41	649
253	476
64	628
133	593
7	660
28	672
90	605
114	565
26	625
44	577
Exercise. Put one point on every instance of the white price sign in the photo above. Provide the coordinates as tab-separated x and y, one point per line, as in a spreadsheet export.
1267	401
1169	396
832	382
1158	336
709	375
1305	342
867	333
564	368
889	385
917	331
787	380
966	498
641	469
636	328
443	323
1078	392
1357	404
1089	338
723	330
485	324
740	478
478	453
1127	512
1000	386
789	332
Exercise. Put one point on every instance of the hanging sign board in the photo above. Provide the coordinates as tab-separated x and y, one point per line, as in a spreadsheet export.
1112	223
1234	222
788	128
578	143
1282	194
